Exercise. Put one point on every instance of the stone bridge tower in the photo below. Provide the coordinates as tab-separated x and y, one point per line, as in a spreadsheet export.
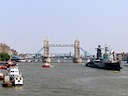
46	57
77	57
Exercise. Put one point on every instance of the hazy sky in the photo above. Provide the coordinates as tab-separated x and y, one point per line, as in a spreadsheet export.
24	24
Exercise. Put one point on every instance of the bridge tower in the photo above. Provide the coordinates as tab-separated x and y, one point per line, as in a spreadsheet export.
46	57
77	58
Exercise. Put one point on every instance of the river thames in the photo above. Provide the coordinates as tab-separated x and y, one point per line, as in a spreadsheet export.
69	79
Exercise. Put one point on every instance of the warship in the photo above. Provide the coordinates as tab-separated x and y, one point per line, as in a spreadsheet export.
106	60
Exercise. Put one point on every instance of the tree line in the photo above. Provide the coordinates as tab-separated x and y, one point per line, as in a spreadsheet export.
4	56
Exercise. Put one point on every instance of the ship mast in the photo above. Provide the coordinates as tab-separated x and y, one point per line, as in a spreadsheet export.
99	53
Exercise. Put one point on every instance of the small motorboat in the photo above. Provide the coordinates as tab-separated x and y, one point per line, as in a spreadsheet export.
46	65
3	67
10	63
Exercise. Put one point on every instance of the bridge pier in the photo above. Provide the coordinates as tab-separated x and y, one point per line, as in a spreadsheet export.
77	58
46	57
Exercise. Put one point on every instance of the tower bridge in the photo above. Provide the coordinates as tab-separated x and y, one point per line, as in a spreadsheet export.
77	58
46	48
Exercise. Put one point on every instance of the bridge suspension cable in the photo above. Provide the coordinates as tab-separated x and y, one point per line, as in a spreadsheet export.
35	53
85	52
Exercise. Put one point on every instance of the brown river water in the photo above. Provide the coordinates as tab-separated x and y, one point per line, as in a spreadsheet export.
69	79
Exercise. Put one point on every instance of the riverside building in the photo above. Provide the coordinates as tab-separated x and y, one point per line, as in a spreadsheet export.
6	49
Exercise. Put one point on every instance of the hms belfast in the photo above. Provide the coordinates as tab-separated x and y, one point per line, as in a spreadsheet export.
105	61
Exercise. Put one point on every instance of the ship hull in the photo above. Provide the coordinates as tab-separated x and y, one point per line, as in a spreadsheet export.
7	84
108	66
46	66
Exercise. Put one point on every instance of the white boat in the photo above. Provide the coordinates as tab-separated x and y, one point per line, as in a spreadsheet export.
15	81
15	75
58	60
22	60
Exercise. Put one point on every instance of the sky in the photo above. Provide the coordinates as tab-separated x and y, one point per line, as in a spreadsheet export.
25	24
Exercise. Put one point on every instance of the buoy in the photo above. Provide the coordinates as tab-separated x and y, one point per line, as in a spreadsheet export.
116	71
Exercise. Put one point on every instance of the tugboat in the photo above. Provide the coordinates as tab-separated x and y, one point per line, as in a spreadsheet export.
105	61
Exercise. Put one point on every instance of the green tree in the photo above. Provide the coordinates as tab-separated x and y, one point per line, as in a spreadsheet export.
4	57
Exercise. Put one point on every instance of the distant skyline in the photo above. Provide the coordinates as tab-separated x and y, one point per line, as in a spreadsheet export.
25	24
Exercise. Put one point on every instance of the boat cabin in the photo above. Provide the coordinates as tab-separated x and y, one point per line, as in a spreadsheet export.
13	71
